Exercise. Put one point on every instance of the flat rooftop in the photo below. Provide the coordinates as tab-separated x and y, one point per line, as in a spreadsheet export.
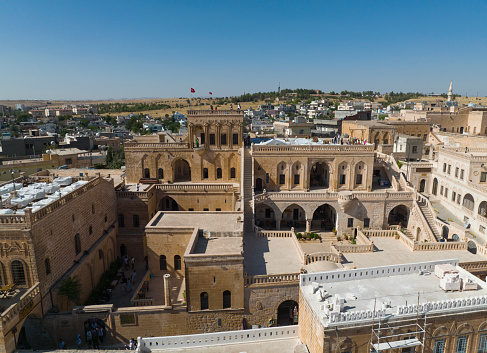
230	223
218	245
390	251
393	290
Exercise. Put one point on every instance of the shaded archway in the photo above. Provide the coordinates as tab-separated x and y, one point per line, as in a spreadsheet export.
324	218
27	335
483	209
265	216
422	185
167	203
445	232
434	189
287	313
398	216
468	202
259	185
293	216
319	175
385	138
472	247
418	234
182	170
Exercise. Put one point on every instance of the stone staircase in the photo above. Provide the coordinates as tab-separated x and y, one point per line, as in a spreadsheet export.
247	192
429	218
408	234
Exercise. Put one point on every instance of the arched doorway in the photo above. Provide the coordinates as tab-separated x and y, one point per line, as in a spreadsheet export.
455	237
445	232
167	203
293	216
483	209
287	313
422	185
461	130
472	247
398	216
324	218
259	185
418	234
182	170
319	175
265	216
434	189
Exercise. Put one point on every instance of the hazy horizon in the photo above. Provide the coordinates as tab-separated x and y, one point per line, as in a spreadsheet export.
110	50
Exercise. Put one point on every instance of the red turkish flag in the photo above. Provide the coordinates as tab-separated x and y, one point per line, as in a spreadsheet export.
192	90
211	93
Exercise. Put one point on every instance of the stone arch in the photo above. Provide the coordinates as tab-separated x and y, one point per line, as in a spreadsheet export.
267	216
86	277
19	272
399	215
324	218
181	170
282	171
472	247
468	202
483	326
342	174
377	139
285	312
3	274
167	203
293	216
319	175
482	210
418	234
386	138
145	165
360	175
441	331
259	184
422	185
434	188
346	345
297	174
444	232
109	256
464	328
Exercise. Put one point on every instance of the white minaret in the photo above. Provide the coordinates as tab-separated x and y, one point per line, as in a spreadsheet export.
450	92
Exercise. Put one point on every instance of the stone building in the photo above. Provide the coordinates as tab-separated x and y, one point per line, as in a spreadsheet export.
216	229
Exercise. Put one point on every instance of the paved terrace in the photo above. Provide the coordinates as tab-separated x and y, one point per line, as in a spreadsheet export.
278	255
390	251
215	222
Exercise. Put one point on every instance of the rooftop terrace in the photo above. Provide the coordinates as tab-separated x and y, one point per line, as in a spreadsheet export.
392	290
217	223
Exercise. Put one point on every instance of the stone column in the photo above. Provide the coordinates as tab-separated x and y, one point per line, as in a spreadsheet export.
167	290
207	135
190	135
218	136
308	225
230	135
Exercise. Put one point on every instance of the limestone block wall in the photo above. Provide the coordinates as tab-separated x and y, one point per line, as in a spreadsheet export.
262	301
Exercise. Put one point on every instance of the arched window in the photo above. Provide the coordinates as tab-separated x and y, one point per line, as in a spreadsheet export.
468	202
18	273
47	264
161	173
227	299
162	263
146	173
177	262
205	173
218	173
204	301
232	173
77	244
483	209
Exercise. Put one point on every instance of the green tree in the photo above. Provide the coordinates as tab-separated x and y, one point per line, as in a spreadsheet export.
70	288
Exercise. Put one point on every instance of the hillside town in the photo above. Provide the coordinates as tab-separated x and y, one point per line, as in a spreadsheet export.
333	225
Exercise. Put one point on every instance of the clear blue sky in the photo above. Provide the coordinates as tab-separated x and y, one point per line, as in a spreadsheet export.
120	49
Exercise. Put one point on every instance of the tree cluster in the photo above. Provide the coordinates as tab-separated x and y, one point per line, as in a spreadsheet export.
133	107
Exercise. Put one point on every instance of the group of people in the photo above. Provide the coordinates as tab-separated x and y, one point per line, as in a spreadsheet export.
127	282
231	107
338	140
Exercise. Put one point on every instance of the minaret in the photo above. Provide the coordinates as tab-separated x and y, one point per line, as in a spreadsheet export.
450	92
